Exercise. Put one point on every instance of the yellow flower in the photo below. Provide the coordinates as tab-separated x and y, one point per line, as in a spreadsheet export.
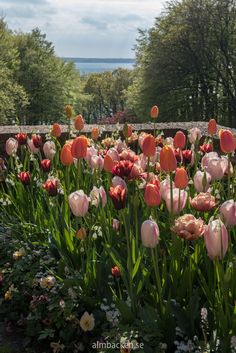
8	295
87	322
47	282
18	254
69	111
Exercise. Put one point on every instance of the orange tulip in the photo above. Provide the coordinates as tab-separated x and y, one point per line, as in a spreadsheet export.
56	130
108	163
149	145
212	127
179	140
79	122
181	178
168	161
81	234
127	130
154	112
95	133
69	111
66	156
79	147
227	141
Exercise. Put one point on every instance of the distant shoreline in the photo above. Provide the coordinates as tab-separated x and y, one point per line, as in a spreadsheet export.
100	60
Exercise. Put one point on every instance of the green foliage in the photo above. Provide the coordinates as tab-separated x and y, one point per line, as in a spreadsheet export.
186	63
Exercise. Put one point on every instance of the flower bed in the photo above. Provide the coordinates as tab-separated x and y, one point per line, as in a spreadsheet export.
118	244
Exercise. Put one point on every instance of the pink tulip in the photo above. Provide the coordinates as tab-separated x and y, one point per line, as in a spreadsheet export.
136	171
49	149
91	151
97	162
216	239
119	181
98	194
150	234
32	147
11	146
194	135
217	167
115	224
228	212
165	187
152	195
113	153
79	203
178	202
201	181
207	157
120	145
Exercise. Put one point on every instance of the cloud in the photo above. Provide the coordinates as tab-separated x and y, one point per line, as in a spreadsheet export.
98	24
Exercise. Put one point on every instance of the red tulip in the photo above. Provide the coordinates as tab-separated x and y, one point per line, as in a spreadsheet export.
179	140
149	146
24	178
123	169
212	127
115	271
206	148
154	112
51	187
187	156
79	147
181	178
37	141
66	156
118	196
168	161
152	196
227	141
21	138
56	130
45	165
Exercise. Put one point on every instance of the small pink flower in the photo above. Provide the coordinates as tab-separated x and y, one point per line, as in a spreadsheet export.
149	234
115	224
216	239
203	202
188	227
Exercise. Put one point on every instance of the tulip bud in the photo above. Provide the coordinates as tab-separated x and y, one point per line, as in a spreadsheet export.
79	122
56	130
95	133
154	112
21	138
81	234
150	234
79	147
66	156
168	161
115	271
227	142
149	146
152	195
179	140
37	141
79	203
51	187
45	165
212	127
181	178
118	196
115	224
24	177
216	239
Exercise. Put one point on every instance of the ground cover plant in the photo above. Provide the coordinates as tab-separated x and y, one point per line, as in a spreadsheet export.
122	243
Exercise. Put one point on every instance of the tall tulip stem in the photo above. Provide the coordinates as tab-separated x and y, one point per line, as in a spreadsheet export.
171	195
157	274
229	159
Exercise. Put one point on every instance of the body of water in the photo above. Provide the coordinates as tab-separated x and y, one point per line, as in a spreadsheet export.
92	65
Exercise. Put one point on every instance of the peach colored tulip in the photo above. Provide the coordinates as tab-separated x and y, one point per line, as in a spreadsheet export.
108	163
152	195
179	200
203	202
150	234
56	130
79	203
95	132
179	140
79	122
201	181
97	195
228	212
216	239
227	142
79	147
11	146
194	135
81	234
66	156
154	112
188	227
181	178
168	161
212	127
149	146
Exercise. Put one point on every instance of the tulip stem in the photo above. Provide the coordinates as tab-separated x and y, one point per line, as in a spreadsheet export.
148	168
171	195
229	175
154	130
78	172
157	274
69	128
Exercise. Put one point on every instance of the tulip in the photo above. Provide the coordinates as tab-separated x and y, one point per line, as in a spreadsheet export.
45	165
154	112
119	181
51	186
21	138
118	196
194	135
108	163
149	146
68	111
165	187
115	224
216	239
203	202
181	178
150	234
123	169
201	181
56	130
206	148
49	149
97	162
212	127
98	194
179	200
152	195
188	227
95	133
178	155
79	122
115	271
11	146
179	140
208	156
91	151
66	156
168	161
127	130
81	234
217	167
227	142
188	157
32	147
79	147
228	212
113	153
24	177
79	203
37	141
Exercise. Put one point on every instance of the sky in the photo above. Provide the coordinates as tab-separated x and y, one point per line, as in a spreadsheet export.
84	28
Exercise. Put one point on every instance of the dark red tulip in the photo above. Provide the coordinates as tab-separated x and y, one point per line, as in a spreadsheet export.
123	168
21	138
118	196
37	141
45	165
51	187
115	271
24	177
206	148
187	156
178	155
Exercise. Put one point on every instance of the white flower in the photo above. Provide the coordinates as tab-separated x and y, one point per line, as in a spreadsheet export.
87	322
